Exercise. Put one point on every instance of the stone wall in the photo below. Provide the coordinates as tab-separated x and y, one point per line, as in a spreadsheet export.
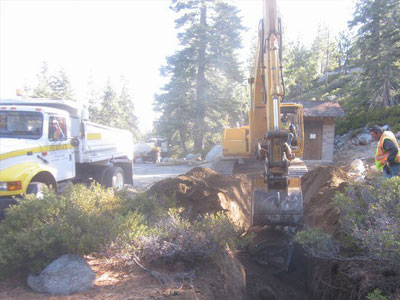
328	136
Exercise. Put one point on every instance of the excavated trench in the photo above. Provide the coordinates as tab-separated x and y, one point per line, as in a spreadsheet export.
202	191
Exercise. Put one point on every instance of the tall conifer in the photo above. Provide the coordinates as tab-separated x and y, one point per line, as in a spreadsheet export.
203	73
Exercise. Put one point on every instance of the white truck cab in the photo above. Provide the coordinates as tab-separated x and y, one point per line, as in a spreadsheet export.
49	142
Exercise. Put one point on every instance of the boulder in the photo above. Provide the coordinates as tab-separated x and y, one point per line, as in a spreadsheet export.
357	166
364	139
339	144
354	141
66	275
214	154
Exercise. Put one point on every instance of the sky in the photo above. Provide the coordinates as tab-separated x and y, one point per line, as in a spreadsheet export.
96	41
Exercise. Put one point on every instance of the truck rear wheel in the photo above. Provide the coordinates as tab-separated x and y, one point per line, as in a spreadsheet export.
114	178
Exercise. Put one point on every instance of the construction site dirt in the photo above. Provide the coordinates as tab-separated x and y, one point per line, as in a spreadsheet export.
235	274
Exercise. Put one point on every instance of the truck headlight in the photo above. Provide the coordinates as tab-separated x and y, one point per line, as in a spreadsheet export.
3	186
10	186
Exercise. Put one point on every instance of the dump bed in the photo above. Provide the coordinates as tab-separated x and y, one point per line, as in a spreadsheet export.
104	143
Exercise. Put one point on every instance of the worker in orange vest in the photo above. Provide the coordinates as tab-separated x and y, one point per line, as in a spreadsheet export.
387	157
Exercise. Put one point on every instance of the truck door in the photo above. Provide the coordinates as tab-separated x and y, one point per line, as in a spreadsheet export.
61	154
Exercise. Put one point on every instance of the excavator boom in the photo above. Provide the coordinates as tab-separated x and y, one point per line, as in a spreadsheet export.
276	195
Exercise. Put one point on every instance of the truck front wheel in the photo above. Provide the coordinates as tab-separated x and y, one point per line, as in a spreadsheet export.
115	178
37	189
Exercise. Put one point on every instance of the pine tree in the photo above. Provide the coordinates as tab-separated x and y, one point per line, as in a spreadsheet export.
53	86
324	52
127	107
42	90
116	110
203	72
299	70
60	86
109	112
344	50
378	41
176	121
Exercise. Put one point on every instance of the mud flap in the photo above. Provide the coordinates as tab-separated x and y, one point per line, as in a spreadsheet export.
277	207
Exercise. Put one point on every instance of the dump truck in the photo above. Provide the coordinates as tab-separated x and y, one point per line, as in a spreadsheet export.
52	142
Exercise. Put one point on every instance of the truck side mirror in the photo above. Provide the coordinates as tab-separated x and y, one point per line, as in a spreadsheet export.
74	142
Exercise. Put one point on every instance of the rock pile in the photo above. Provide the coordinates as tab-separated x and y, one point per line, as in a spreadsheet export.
356	137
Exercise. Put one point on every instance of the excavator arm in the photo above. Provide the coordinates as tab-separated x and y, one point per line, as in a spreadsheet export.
279	200
276	195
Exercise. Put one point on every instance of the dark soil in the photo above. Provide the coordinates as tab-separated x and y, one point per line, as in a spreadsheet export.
202	191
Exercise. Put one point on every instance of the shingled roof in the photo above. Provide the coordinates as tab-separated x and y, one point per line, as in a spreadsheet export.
321	108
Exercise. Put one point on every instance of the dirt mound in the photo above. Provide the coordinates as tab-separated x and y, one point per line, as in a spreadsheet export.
319	187
203	191
332	279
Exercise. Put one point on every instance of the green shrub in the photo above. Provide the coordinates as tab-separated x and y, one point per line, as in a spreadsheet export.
37	231
376	295
152	207
370	219
371	214
318	243
359	118
176	238
84	220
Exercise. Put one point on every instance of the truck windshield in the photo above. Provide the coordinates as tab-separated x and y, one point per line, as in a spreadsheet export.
21	124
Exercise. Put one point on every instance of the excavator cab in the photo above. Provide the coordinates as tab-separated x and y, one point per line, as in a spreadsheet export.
292	122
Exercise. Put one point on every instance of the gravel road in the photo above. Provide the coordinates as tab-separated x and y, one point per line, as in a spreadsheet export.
145	174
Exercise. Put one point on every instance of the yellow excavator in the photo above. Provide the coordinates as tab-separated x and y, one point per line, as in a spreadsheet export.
274	136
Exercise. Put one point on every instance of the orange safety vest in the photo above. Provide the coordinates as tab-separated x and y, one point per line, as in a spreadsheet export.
382	155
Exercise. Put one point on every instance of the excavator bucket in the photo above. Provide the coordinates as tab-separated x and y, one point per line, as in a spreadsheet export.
277	207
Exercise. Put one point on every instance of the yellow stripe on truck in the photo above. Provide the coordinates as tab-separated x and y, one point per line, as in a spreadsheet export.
35	150
94	136
23	172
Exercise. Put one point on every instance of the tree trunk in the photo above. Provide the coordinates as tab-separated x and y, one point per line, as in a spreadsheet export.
182	139
201	84
387	100
327	62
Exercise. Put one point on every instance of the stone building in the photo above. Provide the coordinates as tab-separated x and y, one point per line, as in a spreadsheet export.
319	128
